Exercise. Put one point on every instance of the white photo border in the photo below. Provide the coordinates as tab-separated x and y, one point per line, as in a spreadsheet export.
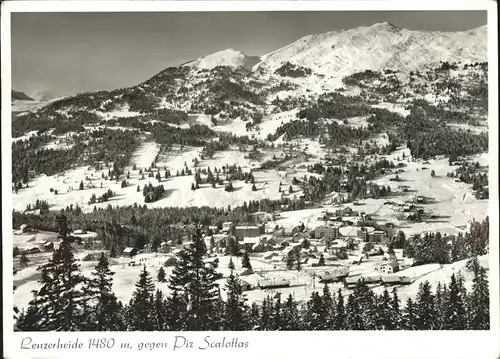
347	344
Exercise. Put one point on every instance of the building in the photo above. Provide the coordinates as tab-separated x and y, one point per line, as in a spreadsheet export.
32	250
377	236
207	240
248	243
405	262
364	233
299	236
389	267
345	212
258	248
220	239
326	232
271	255
226	226
245	285
285	243
25	228
247	231
88	257
262	217
129	252
270	241
164	247
48	246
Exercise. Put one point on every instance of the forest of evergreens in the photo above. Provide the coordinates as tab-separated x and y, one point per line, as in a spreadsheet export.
69	301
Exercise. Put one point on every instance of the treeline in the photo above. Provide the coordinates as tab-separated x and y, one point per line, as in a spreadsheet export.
41	205
102	198
443	249
447	142
152	193
357	78
118	227
45	120
28	162
162	133
331	134
469	173
292	70
225	140
439	113
428	138
352	180
194	302
111	146
92	148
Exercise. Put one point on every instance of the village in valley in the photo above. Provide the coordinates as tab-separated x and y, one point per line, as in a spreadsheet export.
276	178
286	251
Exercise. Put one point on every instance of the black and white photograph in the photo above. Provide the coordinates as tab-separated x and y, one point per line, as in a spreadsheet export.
248	171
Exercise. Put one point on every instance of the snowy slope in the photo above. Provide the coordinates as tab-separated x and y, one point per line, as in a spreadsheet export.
378	47
228	57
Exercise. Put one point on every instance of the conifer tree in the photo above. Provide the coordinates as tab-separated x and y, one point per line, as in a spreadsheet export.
340	316
60	304
28	320
277	315
425	311
297	262
159	311
162	277
140	309
365	304
105	306
354	318
409	316
290	316
314	316
231	264
479	312
176	308
398	321
290	260
440	304
266	314
62	226
195	282
455	314
321	261
235	307
254	317
384	316
232	247
245	262
328	308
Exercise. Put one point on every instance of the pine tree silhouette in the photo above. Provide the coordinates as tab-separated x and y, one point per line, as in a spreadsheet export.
479	317
235	307
140	309
105	306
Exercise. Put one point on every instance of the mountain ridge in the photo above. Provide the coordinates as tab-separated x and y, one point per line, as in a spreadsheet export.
379	46
19	95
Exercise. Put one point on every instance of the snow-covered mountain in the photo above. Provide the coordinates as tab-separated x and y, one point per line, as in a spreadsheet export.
20	96
228	57
230	84
377	47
